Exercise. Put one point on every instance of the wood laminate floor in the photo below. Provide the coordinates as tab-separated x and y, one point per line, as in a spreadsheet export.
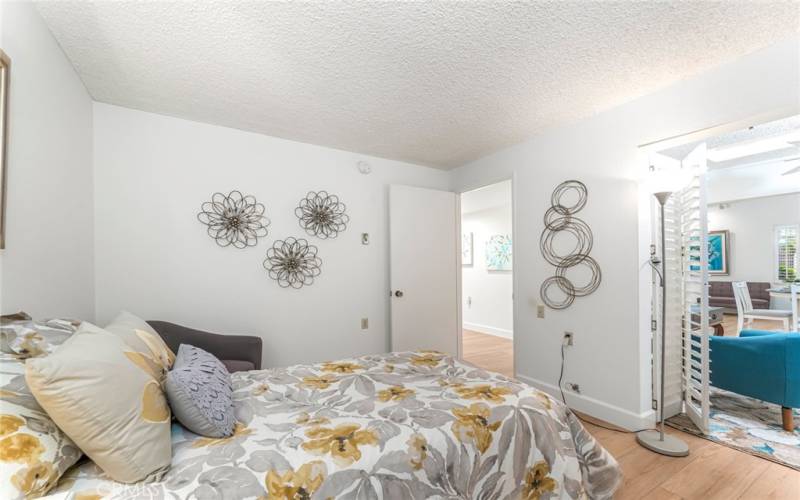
489	352
729	325
710	472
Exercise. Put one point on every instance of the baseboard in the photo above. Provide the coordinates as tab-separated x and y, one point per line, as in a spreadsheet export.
489	330
596	408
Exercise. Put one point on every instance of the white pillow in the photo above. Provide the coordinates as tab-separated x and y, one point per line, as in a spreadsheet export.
103	395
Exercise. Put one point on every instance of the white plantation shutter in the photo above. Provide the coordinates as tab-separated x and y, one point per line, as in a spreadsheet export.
687	373
673	350
694	301
786	239
673	345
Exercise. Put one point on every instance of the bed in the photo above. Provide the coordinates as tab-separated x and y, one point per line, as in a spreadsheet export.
398	425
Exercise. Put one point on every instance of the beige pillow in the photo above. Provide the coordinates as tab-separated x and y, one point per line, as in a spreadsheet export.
98	391
144	340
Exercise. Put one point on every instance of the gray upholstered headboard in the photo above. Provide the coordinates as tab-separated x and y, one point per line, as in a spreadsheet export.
237	352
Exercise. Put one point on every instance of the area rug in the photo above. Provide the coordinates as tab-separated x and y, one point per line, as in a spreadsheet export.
748	425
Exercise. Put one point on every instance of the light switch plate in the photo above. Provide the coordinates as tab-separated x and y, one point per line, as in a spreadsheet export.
540	311
365	323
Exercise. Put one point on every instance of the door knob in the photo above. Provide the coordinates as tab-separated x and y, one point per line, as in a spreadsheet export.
398	293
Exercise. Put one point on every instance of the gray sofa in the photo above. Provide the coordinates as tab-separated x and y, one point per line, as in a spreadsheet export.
237	352
720	294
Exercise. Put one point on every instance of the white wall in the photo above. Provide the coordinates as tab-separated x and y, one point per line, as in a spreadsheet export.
491	309
751	224
154	258
47	266
753	181
611	356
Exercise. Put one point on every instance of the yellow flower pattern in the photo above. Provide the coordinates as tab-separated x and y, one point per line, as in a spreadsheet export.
394	393
472	425
148	365
341	442
484	392
341	367
322	382
154	403
544	399
426	360
33	450
9	424
20	447
296	485
538	482
417	450
36	479
334	429
158	348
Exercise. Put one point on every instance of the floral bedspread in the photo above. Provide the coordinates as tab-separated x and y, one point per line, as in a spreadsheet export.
393	426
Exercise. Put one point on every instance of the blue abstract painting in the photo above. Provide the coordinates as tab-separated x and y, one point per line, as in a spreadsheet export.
718	252
498	253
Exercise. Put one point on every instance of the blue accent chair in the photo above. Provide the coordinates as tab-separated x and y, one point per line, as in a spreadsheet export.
760	364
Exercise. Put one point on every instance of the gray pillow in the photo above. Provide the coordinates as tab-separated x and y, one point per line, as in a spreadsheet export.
200	393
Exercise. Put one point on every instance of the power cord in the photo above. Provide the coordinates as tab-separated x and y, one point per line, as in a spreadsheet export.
564	400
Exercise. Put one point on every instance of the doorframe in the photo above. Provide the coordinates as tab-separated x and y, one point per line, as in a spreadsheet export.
646	294
514	282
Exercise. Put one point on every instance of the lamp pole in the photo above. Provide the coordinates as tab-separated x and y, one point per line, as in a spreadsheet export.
653	440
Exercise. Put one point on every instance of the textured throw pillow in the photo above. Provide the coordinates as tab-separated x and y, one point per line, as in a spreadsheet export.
143	339
98	391
200	393
34	452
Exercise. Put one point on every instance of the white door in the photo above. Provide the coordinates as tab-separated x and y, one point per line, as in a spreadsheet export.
423	226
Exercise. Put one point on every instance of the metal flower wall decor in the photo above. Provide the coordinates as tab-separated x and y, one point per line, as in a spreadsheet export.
234	219
322	214
293	263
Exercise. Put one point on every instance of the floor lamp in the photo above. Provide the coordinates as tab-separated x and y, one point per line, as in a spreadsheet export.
652	439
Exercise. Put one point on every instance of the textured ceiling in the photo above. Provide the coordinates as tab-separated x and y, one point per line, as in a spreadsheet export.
752	133
435	83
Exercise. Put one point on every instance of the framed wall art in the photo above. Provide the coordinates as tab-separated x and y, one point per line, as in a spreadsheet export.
718	252
467	258
498	253
5	68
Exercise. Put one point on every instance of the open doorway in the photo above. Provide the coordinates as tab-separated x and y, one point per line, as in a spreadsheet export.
746	203
487	285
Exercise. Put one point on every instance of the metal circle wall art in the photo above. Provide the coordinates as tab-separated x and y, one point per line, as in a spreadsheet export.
234	219
560	219
293	263
322	214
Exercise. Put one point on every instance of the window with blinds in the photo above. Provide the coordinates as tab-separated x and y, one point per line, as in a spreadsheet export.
786	238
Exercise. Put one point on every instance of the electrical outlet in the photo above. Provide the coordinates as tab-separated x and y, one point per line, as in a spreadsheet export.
540	311
574	387
569	338
365	323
